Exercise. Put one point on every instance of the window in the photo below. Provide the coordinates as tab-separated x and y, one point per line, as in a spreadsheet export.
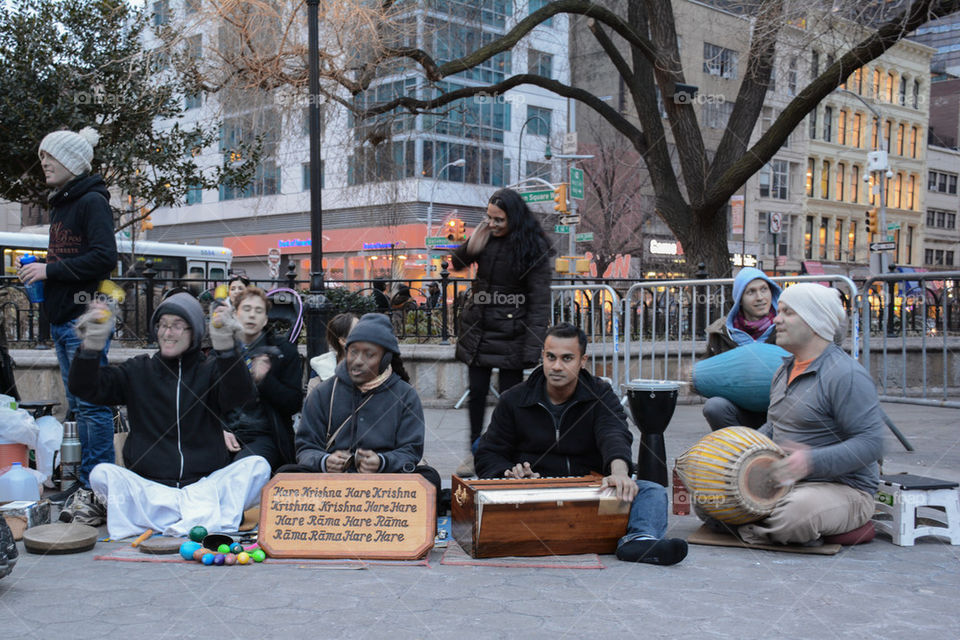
540	124
814	64
266	182
772	84
191	6
194	194
484	166
161	13
857	132
913	142
305	176
808	239
841	170
767	239
822	239
536	5
916	94
838	240
792	77
774	180
193	101
876	83
854	184
241	131
393	160
842	127
857	82
810	168
871	196
813	124
718	61
476	120
539	63
451	41
873	136
902	96
901	131
909	245
942	182
538	170
828	124
717	114
825	180
852	241
887	126
911	193
941	219
891	84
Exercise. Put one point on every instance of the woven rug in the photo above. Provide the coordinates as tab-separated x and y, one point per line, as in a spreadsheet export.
706	536
125	553
455	555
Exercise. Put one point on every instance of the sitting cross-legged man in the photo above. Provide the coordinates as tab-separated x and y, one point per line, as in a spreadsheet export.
563	421
366	418
178	472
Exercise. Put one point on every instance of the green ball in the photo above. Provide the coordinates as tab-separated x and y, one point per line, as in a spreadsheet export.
224	549
198	533
258	555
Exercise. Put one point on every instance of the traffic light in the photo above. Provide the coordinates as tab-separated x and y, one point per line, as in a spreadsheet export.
455	230
873	221
560	198
146	224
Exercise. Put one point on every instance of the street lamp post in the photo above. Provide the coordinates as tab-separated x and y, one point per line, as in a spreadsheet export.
456	163
546	152
316	301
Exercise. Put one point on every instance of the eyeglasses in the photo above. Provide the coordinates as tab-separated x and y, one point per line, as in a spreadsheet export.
174	329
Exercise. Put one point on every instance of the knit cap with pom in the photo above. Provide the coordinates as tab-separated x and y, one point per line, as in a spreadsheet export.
73	150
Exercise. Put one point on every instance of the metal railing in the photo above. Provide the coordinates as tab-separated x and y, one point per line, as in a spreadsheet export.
596	309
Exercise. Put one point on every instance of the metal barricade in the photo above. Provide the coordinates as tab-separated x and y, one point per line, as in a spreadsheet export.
902	318
672	317
596	309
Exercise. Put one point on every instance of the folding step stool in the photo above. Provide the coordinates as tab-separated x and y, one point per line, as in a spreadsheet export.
905	498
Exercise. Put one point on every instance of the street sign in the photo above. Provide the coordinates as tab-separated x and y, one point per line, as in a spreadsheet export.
537	196
436	241
576	183
569	143
569	219
584	237
776	222
893	226
883	246
561	228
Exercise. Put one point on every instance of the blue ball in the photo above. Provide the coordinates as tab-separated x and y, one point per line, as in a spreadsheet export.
236	548
208	559
188	548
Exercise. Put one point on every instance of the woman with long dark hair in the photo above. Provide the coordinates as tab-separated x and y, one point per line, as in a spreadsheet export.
503	323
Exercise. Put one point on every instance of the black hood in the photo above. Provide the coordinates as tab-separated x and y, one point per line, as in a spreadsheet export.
87	183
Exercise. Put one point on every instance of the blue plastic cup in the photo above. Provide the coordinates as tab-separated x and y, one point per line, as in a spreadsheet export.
35	290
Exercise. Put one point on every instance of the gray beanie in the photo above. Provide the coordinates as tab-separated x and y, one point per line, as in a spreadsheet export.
375	328
73	150
187	307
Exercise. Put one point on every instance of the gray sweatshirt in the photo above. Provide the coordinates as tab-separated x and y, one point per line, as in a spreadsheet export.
833	408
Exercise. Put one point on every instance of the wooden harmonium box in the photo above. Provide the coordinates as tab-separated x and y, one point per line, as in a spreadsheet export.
536	517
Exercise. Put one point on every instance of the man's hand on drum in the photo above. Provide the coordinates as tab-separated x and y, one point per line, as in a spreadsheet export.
796	466
620	480
521	470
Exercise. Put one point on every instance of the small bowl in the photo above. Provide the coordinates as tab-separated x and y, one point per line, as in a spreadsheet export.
213	540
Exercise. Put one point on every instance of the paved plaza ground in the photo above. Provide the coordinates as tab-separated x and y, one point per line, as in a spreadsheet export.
873	590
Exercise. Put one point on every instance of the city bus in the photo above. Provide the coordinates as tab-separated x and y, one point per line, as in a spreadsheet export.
170	260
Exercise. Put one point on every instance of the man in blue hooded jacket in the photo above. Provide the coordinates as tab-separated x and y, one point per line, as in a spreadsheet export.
750	320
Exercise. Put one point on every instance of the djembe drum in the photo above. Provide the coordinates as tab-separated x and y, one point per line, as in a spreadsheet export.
652	403
728	474
742	375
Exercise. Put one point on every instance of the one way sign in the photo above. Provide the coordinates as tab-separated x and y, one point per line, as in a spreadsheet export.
883	246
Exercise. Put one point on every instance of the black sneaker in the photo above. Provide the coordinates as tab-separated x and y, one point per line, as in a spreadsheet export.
664	552
83	507
8	549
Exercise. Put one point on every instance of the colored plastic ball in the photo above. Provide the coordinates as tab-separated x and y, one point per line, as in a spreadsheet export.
199	553
208	559
188	548
230	559
224	549
219	559
236	548
258	555
243	557
198	533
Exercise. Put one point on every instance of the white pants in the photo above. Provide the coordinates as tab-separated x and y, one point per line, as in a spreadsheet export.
217	502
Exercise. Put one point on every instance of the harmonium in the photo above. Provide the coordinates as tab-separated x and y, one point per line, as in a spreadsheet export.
536	517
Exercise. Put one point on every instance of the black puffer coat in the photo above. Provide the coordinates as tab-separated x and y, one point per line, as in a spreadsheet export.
505	318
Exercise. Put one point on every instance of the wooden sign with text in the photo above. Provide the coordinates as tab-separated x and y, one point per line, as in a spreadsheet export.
385	516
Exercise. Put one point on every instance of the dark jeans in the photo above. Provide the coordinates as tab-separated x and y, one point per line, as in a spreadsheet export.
479	380
426	471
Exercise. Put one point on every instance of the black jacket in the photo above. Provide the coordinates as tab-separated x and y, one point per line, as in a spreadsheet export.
505	319
173	405
82	249
592	432
280	393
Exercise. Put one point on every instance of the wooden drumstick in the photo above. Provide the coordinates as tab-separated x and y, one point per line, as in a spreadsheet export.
143	536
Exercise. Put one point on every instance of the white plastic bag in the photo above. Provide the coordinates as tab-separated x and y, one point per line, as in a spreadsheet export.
17	426
49	438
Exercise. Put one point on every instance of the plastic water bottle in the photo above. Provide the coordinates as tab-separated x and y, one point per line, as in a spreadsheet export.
35	290
18	484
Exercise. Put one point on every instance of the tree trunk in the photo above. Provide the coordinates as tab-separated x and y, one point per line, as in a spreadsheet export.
705	242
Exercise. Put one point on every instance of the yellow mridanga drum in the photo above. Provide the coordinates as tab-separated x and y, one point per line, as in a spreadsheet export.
728	474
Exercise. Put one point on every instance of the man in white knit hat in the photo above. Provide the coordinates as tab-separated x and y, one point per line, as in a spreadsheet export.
825	413
82	251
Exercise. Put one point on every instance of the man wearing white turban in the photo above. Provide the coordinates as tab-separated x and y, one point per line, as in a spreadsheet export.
824	411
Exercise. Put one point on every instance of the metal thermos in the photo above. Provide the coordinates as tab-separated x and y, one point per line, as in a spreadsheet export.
69	456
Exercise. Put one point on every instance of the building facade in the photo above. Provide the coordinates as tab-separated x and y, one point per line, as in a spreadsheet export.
941	241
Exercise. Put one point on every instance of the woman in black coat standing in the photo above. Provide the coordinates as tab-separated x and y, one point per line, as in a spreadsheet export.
503	323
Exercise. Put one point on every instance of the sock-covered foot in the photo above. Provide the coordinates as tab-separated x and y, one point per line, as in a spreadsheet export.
664	552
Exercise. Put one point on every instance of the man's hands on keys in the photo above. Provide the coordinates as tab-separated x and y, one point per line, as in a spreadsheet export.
522	470
620	481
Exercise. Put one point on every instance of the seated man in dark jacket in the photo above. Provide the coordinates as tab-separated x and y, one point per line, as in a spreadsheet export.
563	421
376	422
264	426
178	472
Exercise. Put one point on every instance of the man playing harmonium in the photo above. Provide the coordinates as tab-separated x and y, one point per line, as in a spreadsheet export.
825	413
563	421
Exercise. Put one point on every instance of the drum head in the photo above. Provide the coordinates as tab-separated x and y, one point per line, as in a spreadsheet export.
652	385
60	537
759	491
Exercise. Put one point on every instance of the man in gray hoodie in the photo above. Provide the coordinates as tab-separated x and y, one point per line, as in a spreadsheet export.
824	411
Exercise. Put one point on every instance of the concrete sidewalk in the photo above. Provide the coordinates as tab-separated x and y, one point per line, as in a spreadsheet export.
868	591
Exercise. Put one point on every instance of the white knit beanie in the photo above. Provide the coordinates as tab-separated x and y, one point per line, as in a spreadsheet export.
817	305
73	150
